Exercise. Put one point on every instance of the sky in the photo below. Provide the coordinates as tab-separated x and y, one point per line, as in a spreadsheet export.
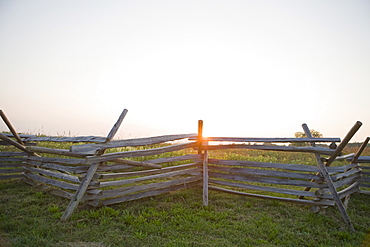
246	68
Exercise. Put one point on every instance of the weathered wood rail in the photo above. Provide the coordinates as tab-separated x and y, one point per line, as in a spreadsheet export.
11	164
103	171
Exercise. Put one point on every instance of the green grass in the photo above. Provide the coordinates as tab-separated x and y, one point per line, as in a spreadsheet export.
29	217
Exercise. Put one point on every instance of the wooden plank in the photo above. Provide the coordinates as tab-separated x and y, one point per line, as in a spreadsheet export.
53	174
138	153
140	179
205	178
268	189
299	201
10	176
365	179
336	169
104	168
148	193
11	128
64	152
347	181
360	150
63	161
366	192
270	140
11	165
290	167
20	135
9	159
111	168
318	150
261	172
265	180
148	172
62	168
137	163
365	173
7	171
344	143
65	139
344	157
200	136
80	192
116	126
349	190
153	186
365	167
11	154
130	142
46	180
17	145
363	159
345	174
48	189
364	185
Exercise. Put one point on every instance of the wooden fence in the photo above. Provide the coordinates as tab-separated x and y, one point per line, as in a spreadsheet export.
104	172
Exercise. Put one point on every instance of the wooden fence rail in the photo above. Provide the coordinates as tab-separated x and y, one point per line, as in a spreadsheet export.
11	164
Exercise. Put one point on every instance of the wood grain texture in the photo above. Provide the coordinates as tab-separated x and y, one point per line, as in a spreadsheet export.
261	172
161	175
267	188
266	180
270	140
318	150
299	201
139	153
130	142
289	167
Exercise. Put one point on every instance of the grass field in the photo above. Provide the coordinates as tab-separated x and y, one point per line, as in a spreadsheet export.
31	218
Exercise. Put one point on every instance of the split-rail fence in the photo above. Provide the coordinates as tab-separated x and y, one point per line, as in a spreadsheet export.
103	171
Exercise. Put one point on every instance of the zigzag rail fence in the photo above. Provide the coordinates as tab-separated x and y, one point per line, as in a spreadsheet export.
146	167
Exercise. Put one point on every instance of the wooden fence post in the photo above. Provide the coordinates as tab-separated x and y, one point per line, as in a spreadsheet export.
10	126
360	150
204	163
17	145
205	177
90	173
200	136
329	181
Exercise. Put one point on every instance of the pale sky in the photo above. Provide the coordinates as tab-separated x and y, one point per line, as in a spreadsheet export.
247	68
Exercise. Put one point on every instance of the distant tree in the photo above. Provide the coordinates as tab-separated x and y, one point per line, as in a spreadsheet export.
314	134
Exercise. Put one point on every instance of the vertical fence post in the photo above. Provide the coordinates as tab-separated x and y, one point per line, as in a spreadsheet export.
200	136
205	162
205	177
